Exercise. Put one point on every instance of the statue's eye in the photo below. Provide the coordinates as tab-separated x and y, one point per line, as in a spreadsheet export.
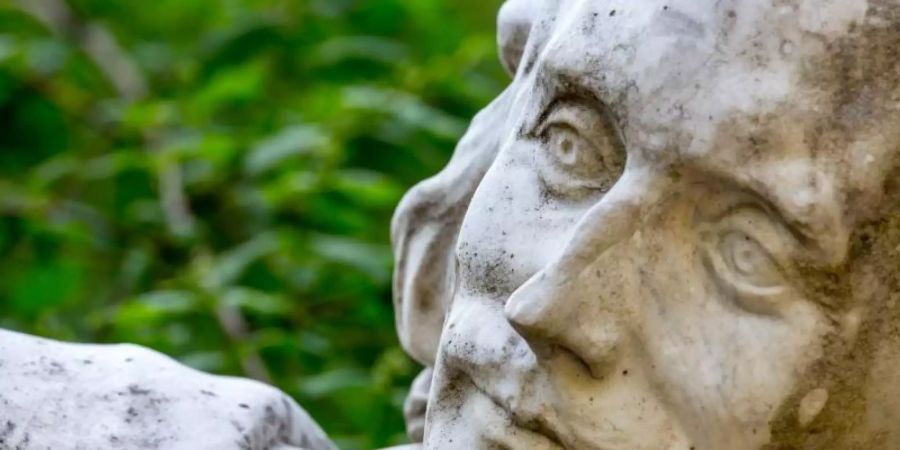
566	145
743	253
748	261
580	150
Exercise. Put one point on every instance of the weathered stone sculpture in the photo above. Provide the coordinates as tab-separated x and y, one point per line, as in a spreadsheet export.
71	397
678	228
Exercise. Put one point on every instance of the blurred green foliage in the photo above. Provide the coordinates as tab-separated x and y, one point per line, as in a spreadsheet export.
215	178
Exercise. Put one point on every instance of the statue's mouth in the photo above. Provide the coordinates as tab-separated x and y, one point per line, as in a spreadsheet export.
529	422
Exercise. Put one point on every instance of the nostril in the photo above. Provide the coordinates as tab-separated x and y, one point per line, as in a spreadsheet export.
596	357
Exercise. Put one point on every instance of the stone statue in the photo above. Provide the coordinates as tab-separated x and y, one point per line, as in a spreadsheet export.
90	397
678	228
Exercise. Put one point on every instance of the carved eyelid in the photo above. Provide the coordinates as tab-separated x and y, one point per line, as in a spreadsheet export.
771	234
743	209
578	98
591	159
762	207
751	198
756	291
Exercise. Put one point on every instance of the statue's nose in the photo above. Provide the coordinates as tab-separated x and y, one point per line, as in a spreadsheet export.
583	303
558	313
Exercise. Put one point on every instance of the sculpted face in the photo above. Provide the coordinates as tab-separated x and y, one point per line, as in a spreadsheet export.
674	230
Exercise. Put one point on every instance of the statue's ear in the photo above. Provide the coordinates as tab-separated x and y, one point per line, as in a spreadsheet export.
513	27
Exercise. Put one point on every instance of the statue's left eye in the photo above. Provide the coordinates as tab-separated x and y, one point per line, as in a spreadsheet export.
743	250
580	149
748	261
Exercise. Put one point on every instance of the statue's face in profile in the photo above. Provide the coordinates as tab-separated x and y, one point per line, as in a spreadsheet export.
668	249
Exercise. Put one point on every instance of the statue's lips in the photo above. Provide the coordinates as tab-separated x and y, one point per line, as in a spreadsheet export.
483	356
528	422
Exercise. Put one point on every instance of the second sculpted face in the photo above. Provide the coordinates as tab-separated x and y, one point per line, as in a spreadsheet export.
656	254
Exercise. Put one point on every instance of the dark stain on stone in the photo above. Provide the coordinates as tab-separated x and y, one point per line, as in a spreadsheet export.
56	368
130	415
134	389
23	444
7	431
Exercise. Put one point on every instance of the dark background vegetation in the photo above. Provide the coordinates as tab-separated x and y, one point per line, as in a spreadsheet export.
215	178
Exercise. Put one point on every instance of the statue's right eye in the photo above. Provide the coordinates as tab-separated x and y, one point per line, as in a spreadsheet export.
581	151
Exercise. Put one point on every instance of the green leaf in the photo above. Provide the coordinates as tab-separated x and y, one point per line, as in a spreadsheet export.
231	87
404	107
369	188
230	265
287	144
372	259
257	302
160	303
328	383
44	286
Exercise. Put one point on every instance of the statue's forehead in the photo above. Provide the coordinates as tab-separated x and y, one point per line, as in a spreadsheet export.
825	18
666	45
696	80
687	69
